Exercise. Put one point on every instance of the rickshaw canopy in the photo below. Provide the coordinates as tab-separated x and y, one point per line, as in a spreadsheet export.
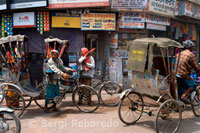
49	40
160	42
13	39
141	52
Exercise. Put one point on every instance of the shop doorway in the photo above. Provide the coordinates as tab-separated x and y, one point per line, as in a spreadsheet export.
92	42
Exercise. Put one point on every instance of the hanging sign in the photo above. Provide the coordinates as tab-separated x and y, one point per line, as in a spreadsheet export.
66	20
98	21
25	19
3	5
136	17
19	4
156	27
187	9
77	3
164	7
131	25
128	4
150	18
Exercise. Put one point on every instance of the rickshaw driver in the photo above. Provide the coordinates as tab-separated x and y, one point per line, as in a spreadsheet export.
187	63
52	90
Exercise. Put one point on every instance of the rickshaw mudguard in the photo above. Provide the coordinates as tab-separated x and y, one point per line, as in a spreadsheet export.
6	110
11	84
125	93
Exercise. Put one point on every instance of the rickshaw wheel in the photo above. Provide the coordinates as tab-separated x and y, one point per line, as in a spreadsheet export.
86	99
15	101
168	117
131	108
40	101
28	101
109	94
196	103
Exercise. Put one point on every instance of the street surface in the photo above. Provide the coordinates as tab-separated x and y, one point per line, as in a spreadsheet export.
104	120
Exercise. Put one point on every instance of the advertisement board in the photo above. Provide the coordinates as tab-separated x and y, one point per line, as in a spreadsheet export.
163	7
3	5
77	3
137	17
128	4
98	21
19	4
154	19
65	20
23	19
156	27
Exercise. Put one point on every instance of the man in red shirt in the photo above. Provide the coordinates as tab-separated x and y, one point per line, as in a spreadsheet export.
187	63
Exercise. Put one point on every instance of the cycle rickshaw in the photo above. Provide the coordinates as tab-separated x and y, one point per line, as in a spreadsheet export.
153	66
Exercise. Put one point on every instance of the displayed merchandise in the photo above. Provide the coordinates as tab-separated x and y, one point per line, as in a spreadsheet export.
43	23
7	25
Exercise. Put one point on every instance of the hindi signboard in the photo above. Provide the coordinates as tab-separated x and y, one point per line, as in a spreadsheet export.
98	21
187	9
163	7
77	3
19	4
154	19
128	4
65	20
156	27
137	17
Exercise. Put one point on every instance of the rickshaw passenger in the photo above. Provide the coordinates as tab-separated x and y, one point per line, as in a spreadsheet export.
56	65
187	63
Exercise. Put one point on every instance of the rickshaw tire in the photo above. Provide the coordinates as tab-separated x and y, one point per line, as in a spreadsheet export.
159	110
103	102
93	92
120	105
23	101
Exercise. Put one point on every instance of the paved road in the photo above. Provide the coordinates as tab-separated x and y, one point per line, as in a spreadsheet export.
104	120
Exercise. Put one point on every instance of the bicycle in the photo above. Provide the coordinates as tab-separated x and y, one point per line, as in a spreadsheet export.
109	92
87	106
9	122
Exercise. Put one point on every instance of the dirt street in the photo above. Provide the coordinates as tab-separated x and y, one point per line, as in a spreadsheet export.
104	120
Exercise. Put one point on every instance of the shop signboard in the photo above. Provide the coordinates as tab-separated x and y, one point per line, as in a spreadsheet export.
156	27
163	7
131	25
3	5
187	9
98	21
136	17
128	4
154	19
66	20
24	19
77	3
19	4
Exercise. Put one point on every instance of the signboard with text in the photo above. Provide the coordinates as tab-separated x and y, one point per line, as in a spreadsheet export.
65	20
187	9
136	17
3	5
164	7
24	19
77	3
128	4
98	21
154	19
156	27
131	25
19	4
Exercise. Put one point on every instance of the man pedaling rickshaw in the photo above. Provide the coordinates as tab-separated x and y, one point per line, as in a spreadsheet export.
187	63
56	65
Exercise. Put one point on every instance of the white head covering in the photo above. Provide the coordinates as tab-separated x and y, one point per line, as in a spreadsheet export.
188	44
54	51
